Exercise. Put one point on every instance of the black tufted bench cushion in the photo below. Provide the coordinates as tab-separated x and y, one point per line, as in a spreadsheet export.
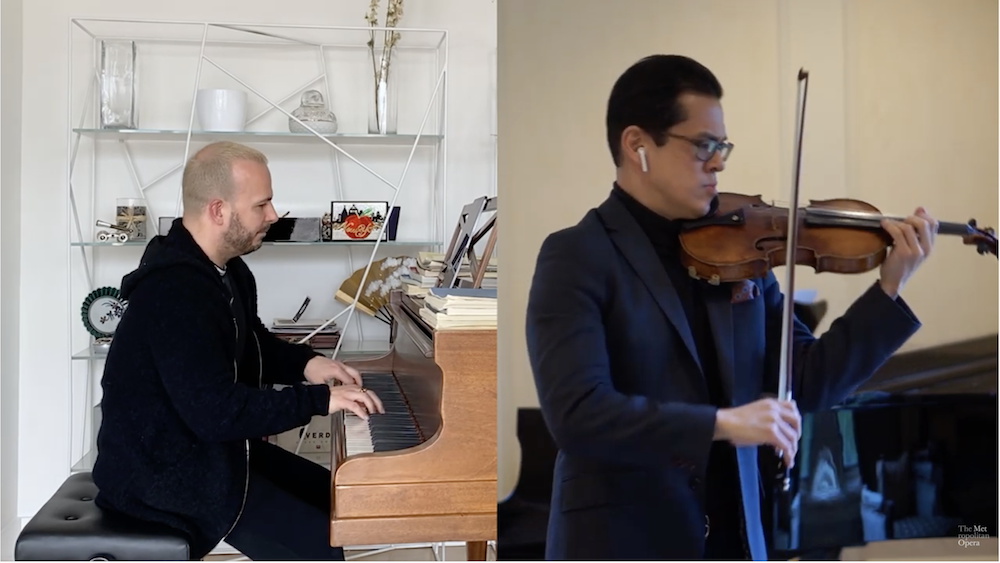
70	527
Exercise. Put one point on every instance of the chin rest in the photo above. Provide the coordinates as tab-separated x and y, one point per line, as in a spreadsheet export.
70	527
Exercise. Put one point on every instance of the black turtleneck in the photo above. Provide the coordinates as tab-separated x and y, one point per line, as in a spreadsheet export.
722	495
663	233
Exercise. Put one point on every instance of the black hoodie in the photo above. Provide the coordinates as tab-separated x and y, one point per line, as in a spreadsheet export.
179	407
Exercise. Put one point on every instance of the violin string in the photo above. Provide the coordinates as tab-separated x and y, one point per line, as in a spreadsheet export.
851	214
843	213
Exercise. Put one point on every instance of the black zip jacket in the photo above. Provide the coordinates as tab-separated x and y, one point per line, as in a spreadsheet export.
179	406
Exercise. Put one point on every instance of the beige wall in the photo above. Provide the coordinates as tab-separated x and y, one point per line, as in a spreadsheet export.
901	113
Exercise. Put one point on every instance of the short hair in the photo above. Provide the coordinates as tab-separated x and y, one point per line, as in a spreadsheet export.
209	173
646	94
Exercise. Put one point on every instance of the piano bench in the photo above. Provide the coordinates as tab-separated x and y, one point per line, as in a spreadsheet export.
70	527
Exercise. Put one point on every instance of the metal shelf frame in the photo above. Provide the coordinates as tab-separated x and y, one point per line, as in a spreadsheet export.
204	36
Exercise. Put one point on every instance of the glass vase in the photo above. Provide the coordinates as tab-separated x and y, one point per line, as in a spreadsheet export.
118	85
130	214
382	95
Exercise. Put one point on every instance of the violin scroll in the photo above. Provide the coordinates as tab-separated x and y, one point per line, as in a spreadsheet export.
985	240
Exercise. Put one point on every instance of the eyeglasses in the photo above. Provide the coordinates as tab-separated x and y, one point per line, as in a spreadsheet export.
706	148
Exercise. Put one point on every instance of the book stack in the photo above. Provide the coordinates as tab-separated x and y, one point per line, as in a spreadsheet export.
429	268
292	331
460	308
424	276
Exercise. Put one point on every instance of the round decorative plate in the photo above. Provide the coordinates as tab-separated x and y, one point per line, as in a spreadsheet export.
102	311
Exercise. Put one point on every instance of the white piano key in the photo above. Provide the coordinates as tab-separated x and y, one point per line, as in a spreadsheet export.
396	429
357	435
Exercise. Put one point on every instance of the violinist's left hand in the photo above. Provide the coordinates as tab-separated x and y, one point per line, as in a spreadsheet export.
912	240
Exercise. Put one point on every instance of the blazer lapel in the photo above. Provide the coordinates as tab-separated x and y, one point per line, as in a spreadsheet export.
633	244
720	318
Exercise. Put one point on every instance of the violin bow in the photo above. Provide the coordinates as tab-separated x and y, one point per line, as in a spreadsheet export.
786	366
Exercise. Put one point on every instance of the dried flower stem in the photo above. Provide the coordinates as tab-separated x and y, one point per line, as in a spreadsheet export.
394	12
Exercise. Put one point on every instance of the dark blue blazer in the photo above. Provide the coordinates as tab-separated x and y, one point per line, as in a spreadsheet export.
622	391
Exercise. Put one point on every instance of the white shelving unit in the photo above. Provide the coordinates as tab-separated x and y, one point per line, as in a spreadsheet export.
274	64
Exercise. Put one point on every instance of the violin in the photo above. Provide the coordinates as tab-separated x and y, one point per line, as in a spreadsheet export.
747	237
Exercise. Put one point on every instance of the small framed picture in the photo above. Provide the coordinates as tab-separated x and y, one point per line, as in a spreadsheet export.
358	220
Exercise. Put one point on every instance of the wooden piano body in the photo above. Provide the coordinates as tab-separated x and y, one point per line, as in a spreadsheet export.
443	489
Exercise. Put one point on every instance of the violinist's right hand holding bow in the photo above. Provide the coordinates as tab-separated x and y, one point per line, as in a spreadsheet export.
764	421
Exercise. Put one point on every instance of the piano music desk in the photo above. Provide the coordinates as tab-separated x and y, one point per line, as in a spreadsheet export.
426	470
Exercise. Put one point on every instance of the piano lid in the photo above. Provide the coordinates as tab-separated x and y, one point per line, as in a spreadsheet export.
911	455
892	467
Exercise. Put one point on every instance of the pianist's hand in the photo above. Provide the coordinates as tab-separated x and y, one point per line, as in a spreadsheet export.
765	421
356	399
324	370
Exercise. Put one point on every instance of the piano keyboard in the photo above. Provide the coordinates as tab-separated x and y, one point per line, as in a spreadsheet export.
394	430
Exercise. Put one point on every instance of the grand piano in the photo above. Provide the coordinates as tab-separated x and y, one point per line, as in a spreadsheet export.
911	455
425	471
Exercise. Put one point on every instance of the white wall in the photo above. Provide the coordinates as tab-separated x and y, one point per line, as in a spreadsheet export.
283	278
901	113
10	265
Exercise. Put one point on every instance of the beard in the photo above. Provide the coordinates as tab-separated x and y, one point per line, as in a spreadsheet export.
239	239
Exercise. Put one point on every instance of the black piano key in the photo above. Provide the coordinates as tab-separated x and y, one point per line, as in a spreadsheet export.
395	429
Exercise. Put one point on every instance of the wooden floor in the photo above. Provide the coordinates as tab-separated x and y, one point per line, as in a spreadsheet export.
451	553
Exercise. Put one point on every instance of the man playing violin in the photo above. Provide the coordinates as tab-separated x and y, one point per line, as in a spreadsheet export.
651	381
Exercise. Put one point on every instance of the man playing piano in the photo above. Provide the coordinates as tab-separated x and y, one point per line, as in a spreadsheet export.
185	404
651	382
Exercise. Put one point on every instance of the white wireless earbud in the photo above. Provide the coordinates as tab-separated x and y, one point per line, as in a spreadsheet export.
642	159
